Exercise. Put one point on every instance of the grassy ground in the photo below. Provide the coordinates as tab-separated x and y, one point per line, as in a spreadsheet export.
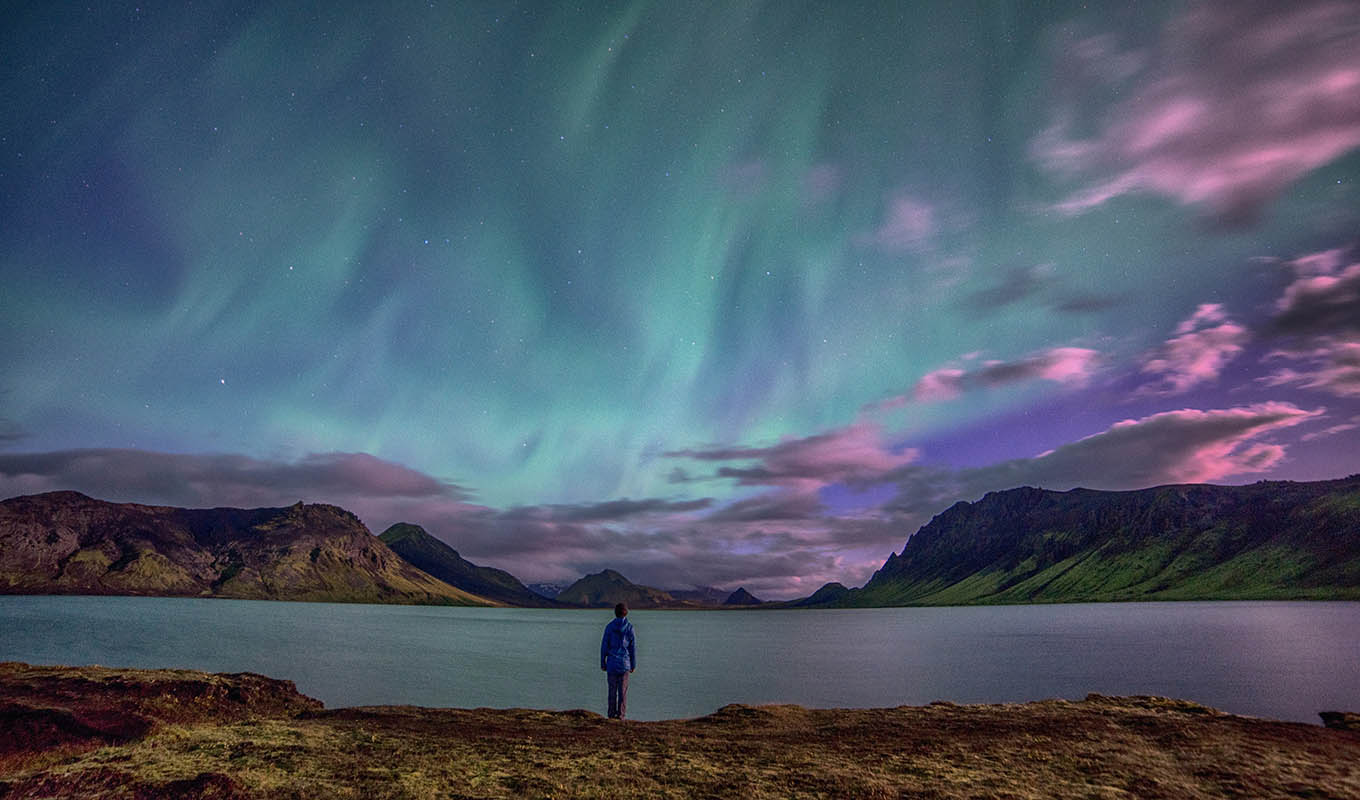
1097	748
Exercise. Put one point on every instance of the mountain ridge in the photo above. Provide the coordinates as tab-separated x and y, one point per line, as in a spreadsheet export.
608	587
429	553
69	543
1267	540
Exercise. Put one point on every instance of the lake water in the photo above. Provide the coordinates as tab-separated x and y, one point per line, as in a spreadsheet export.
1269	659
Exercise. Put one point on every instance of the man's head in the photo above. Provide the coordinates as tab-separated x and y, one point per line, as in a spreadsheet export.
620	611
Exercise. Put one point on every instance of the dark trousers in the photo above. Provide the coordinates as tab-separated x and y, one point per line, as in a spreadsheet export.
618	694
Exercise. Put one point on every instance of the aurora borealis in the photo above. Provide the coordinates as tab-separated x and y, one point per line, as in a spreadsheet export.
708	293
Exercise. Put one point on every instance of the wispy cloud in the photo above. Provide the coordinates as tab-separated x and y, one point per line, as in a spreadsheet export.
1014	286
1317	321
852	454
908	225
219	479
1184	446
1330	365
1070	366
1202	345
1340	427
1324	298
1242	99
782	541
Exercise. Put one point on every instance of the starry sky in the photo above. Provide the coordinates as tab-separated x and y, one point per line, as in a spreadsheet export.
712	293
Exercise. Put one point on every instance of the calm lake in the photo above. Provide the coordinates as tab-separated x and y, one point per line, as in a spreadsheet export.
1270	659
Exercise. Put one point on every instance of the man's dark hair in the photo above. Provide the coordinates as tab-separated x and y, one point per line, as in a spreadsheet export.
620	610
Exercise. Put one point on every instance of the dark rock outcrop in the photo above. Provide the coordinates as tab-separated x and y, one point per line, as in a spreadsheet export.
741	597
1340	720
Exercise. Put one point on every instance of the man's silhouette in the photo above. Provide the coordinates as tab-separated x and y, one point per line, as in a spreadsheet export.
618	658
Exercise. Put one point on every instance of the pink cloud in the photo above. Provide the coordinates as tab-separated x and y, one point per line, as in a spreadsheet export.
855	453
344	479
1204	343
1331	366
909	225
1326	262
1245	99
1070	366
941	384
1340	427
1318	318
1324	298
1184	446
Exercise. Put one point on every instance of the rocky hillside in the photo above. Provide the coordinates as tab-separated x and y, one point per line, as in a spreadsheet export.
424	551
606	588
1268	540
67	543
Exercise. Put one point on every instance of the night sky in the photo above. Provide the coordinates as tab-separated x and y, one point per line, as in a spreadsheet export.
728	293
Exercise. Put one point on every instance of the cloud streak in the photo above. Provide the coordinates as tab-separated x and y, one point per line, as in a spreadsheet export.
219	479
782	541
855	454
1318	319
1183	446
1202	345
1331	366
1069	366
1323	299
1241	100
909	225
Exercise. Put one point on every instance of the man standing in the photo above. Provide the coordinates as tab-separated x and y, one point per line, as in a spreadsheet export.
618	658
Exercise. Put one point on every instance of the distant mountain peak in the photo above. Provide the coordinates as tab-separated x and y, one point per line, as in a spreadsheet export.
608	587
741	597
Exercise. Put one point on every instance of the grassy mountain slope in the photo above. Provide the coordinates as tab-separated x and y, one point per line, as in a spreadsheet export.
67	543
424	551
1269	540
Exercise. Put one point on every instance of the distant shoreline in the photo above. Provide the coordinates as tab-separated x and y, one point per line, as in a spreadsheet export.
774	605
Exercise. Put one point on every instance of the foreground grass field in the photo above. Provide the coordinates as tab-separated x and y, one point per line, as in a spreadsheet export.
92	732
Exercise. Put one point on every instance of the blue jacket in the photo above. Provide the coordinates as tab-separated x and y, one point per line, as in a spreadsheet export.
618	648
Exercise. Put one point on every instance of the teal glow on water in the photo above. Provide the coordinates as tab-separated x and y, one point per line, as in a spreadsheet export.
1270	659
